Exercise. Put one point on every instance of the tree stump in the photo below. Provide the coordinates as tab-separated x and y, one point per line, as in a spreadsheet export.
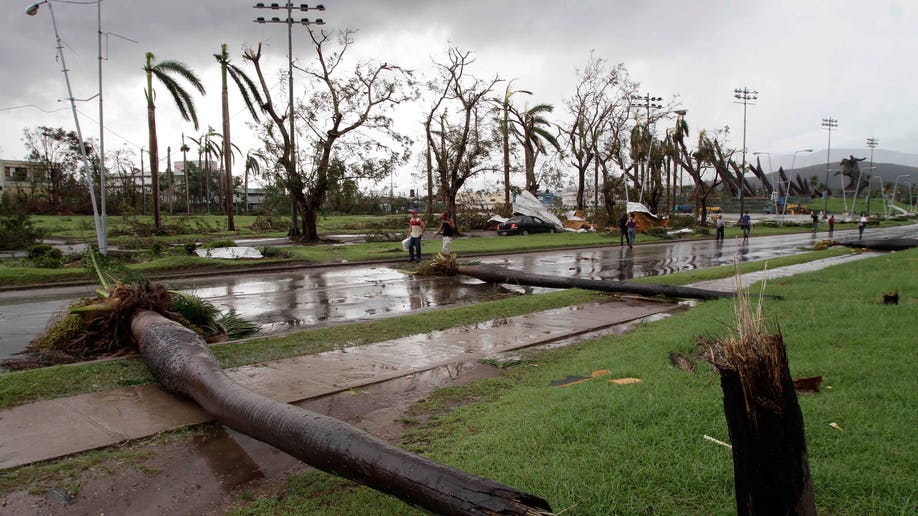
770	465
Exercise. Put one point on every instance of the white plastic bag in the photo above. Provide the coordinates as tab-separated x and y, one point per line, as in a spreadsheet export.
405	243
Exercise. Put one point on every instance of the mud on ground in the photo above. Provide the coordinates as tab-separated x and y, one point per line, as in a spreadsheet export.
216	469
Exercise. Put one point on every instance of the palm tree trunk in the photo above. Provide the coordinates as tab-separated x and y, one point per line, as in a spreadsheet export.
227	149
154	153
495	274
183	364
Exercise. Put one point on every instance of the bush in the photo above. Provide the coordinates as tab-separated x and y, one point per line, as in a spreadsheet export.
213	244
45	257
703	231
264	223
470	220
17	232
659	232
190	248
273	252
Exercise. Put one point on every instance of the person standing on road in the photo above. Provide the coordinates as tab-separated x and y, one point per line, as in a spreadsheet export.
447	229
815	218
861	224
831	224
720	228
631	226
416	228
746	224
623	229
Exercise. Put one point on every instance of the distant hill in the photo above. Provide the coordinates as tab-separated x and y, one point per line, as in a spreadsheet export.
888	171
818	157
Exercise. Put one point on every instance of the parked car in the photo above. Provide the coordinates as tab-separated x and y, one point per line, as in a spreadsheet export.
524	225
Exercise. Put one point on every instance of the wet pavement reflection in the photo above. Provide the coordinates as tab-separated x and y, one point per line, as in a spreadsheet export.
313	297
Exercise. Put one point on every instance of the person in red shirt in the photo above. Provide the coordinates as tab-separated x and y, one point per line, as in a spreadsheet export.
416	227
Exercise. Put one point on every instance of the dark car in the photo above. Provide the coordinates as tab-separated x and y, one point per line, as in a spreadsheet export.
523	225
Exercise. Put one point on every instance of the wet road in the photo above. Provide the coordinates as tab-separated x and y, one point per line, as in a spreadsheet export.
329	295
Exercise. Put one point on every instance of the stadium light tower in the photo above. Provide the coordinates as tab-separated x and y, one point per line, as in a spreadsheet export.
744	96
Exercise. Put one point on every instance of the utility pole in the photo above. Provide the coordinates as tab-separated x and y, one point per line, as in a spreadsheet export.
828	124
744	97
294	229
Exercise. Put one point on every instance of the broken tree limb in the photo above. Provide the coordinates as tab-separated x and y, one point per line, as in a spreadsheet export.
496	274
184	364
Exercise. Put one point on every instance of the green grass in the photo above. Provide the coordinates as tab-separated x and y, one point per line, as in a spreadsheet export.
596	448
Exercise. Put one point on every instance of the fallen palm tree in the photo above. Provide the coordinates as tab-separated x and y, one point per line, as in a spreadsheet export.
447	265
169	331
182	362
882	244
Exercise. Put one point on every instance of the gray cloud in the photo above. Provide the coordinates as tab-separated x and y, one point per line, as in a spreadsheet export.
809	59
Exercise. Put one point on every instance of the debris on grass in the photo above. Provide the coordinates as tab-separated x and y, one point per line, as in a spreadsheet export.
625	381
809	384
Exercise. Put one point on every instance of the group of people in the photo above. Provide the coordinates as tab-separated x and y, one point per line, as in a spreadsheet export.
627	224
745	223
416	228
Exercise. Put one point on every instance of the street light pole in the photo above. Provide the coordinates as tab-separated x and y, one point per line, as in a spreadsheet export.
828	124
774	193
896	185
744	96
648	102
32	10
103	247
294	229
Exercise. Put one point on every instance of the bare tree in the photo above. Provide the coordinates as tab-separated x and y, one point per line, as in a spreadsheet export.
697	163
458	141
347	103
592	108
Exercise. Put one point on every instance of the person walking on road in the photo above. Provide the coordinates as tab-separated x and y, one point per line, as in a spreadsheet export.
416	228
447	229
831	225
632	227
815	218
623	229
746	224
861	224
720	229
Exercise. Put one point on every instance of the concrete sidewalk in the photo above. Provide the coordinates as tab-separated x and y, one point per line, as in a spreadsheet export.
55	428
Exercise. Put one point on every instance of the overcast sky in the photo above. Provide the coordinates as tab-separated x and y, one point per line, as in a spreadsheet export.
851	60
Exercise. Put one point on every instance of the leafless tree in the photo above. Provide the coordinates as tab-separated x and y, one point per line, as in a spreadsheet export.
456	125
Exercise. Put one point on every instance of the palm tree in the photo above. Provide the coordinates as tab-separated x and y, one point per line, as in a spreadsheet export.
248	90
185	148
206	147
530	128
165	72
505	134
253	161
